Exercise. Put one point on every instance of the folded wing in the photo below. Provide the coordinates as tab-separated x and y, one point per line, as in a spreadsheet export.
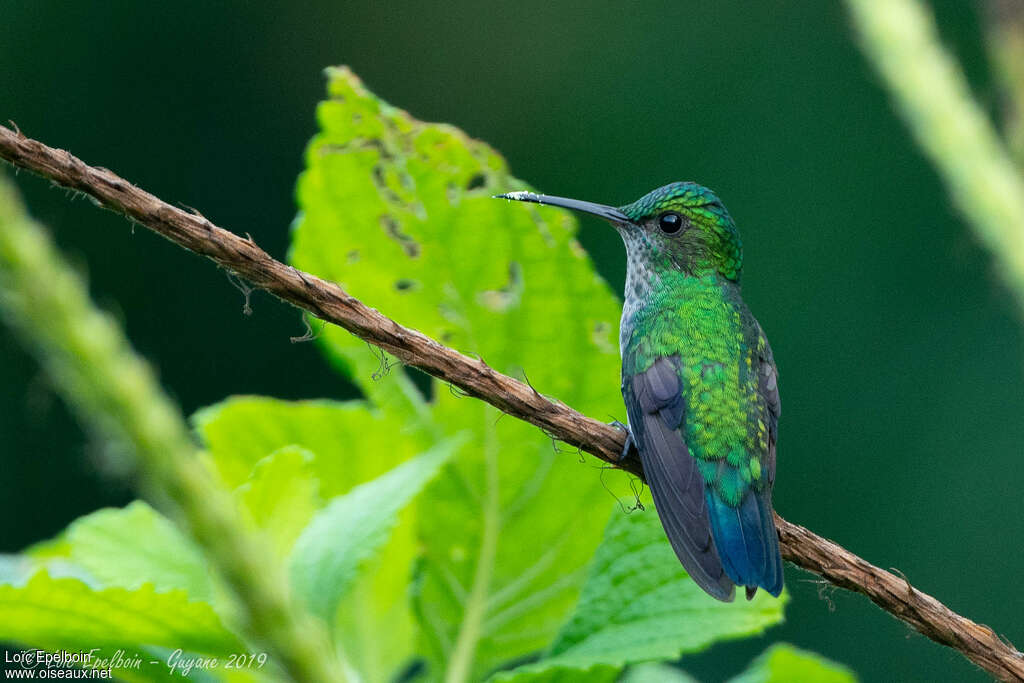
657	413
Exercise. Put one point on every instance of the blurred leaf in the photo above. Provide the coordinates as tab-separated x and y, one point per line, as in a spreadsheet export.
783	663
353	527
47	548
638	603
545	672
598	673
281	495
400	212
374	624
351	444
14	569
135	545
241	431
655	672
67	614
17	569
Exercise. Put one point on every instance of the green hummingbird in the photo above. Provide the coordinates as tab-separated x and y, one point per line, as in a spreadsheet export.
699	383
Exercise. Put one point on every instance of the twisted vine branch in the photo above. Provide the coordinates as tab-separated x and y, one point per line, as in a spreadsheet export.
331	303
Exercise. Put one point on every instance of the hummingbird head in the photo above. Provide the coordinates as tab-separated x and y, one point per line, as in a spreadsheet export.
681	226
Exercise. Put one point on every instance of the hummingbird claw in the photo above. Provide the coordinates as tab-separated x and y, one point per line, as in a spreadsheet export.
629	449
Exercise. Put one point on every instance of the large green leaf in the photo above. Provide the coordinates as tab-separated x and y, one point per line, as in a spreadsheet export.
135	545
133	631
66	613
783	663
638	603
353	527
399	212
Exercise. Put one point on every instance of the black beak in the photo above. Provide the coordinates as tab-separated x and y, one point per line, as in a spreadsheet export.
609	213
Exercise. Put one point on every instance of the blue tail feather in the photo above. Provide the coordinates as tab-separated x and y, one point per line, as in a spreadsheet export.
746	540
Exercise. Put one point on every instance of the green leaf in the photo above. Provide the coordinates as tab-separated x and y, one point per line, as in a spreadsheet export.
638	603
546	672
782	663
48	548
281	496
353	527
351	444
65	613
656	672
598	673
15	569
400	212
374	624
135	545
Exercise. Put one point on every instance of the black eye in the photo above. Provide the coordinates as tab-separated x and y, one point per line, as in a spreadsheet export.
670	222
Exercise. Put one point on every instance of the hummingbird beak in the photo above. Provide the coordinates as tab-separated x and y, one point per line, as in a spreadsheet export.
609	213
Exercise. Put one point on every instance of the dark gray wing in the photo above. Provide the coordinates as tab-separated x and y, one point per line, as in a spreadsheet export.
768	390
657	414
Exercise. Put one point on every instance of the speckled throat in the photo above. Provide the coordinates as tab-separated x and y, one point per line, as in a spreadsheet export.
641	279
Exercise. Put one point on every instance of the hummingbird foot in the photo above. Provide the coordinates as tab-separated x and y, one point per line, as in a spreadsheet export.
629	450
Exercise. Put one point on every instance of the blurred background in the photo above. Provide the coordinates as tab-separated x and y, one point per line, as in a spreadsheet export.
899	350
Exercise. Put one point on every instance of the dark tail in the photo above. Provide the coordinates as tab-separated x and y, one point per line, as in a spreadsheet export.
747	542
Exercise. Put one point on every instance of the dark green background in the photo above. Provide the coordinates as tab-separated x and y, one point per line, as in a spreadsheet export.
899	350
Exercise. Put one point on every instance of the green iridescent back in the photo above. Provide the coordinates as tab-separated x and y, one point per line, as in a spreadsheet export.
690	305
704	321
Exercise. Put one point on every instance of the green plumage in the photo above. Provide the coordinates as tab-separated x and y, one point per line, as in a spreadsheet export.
704	321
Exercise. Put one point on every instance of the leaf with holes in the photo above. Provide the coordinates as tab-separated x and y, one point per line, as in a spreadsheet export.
400	212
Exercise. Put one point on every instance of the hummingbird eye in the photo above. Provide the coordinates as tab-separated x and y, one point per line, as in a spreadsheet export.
670	222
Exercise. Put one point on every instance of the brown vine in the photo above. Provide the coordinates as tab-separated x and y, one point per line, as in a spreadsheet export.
331	303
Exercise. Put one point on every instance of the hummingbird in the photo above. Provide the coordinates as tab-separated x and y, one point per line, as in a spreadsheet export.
699	383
